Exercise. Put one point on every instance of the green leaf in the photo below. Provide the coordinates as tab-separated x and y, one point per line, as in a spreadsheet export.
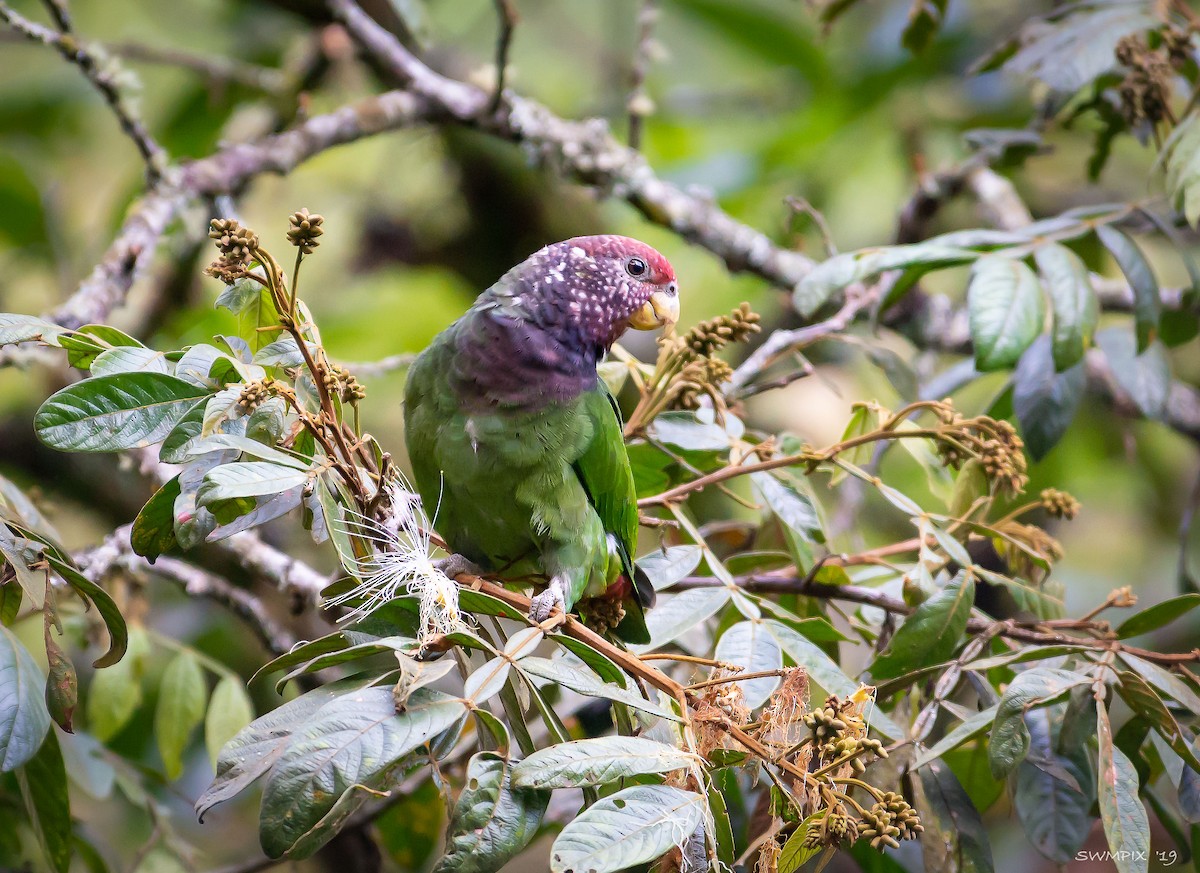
1154	617
631	827
1010	736
181	701
252	304
492	820
931	634
598	762
19	553
356	739
1182	151
832	275
248	479
86	343
824	671
114	622
17	328
795	854
667	566
793	507
1072	301
1189	789
24	719
1145	377
955	837
154	528
110	413
585	683
1147	301
1005	307
1045	401
1145	702
129	359
1055	814
43	783
116	692
1125	821
677	614
1165	681
924	21
227	441
229	711
749	645
970	728
256	748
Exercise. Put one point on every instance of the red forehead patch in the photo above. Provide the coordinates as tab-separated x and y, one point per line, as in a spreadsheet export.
612	245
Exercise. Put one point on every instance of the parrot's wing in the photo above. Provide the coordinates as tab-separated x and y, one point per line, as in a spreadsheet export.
604	471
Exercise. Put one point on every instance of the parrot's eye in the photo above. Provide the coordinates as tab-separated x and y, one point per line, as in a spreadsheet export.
636	267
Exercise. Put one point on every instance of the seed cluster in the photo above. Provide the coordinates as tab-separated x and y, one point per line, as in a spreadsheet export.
1059	504
253	395
1001	452
343	384
601	614
304	228
236	245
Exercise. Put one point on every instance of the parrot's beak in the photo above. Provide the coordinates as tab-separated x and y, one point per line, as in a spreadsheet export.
661	309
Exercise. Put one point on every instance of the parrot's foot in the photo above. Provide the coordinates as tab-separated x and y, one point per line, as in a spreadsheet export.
543	605
456	565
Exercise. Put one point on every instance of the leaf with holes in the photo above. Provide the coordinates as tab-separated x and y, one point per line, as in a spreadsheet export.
631	827
493	818
598	762
356	739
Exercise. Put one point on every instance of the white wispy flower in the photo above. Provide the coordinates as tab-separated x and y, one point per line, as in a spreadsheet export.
400	563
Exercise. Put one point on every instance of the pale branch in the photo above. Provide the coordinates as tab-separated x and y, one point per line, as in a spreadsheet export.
789	582
585	151
223	172
103	76
214	69
116	553
638	105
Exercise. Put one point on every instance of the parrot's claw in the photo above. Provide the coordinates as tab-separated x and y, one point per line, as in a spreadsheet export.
456	565
543	605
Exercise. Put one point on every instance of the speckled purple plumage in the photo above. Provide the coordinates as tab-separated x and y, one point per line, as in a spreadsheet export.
535	337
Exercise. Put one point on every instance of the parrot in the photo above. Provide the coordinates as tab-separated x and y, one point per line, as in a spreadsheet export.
515	442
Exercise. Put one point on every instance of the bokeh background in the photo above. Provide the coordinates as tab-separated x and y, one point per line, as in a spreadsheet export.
753	103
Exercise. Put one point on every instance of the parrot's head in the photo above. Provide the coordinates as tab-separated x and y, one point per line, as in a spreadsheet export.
593	288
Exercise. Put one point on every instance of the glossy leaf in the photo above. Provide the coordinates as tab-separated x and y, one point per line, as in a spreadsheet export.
584	682
129	359
355	739
1125	822
1010	736
249	479
1072	302
1158	615
154	528
110	413
1145	377
598	762
631	827
667	566
751	646
675	615
970	728
931	634
1147	302
110	613
24	719
17	328
1005	306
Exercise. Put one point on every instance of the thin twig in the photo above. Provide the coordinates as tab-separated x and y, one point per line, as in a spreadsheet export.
507	15
103	78
639	104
